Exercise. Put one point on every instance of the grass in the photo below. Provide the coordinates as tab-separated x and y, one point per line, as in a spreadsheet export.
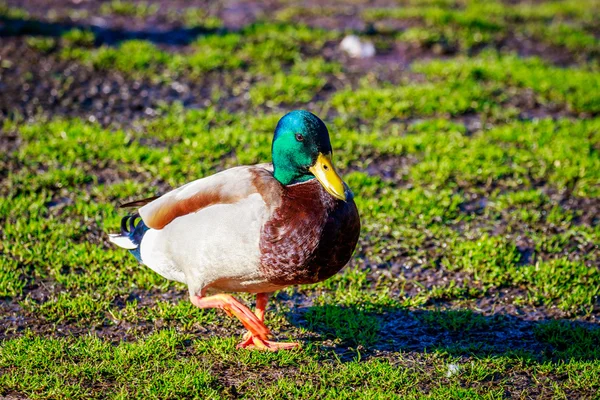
170	365
486	84
125	8
476	174
466	26
262	49
548	82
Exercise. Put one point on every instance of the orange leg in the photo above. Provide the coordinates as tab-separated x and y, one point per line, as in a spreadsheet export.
234	307
261	305
251	341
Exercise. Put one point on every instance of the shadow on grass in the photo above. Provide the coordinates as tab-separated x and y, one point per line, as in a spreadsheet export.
103	35
456	332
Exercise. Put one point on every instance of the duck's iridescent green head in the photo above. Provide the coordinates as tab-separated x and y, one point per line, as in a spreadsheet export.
301	151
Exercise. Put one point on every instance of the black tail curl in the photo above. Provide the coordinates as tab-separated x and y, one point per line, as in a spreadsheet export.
128	224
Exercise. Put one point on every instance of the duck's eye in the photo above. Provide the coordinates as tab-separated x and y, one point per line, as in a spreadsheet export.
299	137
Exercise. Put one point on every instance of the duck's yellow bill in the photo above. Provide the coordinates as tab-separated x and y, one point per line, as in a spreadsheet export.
326	175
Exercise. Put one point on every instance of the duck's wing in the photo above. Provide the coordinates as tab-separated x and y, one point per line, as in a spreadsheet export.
226	187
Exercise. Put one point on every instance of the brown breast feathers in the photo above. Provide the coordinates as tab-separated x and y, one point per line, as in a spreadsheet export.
309	237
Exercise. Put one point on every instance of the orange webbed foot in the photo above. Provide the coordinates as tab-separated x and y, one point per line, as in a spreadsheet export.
254	343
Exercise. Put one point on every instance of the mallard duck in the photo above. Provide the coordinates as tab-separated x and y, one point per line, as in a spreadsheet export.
253	229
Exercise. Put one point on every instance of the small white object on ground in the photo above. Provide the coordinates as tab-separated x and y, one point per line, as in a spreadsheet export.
453	369
357	48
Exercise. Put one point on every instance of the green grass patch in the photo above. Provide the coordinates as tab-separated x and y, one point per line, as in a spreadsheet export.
262	49
172	365
570	340
347	325
464	26
577	87
427	99
128	9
